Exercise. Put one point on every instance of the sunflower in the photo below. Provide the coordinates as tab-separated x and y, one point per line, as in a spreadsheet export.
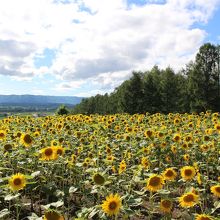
113	169
166	205
217	127
48	153
155	183
199	178
54	143
108	150
216	190
53	215
2	134
145	162
203	217
85	164
186	157
146	150
149	133
59	150
112	204
176	121
36	133
188	172
169	174
176	137
173	149
17	182
188	200
122	167
188	138
8	147
98	179
26	140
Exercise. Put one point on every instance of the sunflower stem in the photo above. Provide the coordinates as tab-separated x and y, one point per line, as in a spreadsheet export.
17	209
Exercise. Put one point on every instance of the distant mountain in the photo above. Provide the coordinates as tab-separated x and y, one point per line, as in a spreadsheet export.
39	99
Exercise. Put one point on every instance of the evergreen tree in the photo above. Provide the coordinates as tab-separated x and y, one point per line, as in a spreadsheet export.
152	98
62	110
133	96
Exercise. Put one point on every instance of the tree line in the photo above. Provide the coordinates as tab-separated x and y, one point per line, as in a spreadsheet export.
195	88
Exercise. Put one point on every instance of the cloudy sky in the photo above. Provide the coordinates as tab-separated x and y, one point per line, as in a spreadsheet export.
85	47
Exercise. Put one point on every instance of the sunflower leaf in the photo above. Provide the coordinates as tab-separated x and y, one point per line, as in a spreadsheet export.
53	204
34	174
93	213
216	206
72	189
4	213
11	197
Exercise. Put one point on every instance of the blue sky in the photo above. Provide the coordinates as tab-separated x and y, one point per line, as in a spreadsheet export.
98	43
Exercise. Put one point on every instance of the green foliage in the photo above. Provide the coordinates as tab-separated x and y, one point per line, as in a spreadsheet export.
62	110
195	88
133	95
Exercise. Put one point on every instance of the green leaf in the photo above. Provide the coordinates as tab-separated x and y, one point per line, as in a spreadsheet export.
34	174
4	213
95	190
128	211
72	189
94	211
34	217
164	191
140	193
216	206
54	204
11	197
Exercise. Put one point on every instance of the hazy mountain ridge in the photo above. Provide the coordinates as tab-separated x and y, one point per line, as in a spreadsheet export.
39	99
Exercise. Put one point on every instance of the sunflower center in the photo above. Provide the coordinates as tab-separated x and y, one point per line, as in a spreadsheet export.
188	138
166	204
52	215
149	133
112	205
122	167
154	181
176	138
108	151
98	179
169	173
204	218
2	135
48	152
27	139
188	198
184	146
17	181
188	172
8	147
206	138
217	189
60	151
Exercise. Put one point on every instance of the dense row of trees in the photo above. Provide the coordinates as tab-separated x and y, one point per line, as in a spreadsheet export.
194	88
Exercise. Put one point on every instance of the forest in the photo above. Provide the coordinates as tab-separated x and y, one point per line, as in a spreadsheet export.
195	88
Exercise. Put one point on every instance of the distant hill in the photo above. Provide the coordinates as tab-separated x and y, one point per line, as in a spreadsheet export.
39	99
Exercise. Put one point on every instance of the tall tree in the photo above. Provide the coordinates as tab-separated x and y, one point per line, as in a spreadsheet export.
204	79
152	98
168	89
133	96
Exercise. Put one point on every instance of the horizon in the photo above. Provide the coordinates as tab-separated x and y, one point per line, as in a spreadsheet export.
40	95
98	44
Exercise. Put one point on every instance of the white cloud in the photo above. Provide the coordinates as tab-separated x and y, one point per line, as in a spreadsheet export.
99	41
64	86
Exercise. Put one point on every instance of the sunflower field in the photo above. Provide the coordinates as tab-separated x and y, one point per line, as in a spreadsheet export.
118	166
